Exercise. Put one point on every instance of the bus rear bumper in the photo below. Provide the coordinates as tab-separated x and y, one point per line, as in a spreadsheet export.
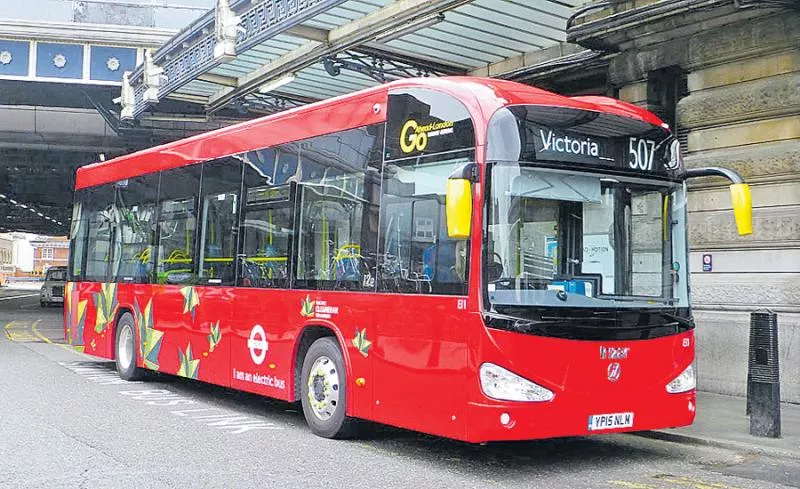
558	418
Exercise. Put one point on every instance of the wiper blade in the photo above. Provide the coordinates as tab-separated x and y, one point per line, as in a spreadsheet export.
682	321
517	323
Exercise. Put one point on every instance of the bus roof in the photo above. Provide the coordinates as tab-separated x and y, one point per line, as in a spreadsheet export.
481	96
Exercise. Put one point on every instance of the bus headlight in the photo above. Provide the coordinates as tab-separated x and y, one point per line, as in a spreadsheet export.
684	382
503	385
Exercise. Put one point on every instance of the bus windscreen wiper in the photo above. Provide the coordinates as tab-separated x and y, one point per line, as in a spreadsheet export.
688	323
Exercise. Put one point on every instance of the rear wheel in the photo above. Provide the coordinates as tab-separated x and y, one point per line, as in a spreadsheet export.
126	349
324	390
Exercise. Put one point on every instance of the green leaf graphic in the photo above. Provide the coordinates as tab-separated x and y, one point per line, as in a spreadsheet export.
76	315
190	299
105	302
189	366
361	342
149	338
214	338
308	307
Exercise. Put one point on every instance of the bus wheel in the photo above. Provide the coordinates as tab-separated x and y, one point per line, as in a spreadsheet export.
324	391
126	349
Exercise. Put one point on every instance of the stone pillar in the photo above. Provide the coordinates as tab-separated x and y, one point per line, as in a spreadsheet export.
742	111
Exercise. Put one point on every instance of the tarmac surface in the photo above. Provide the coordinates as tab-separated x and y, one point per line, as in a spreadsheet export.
67	421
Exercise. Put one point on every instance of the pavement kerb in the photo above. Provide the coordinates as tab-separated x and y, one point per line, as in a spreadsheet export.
713	442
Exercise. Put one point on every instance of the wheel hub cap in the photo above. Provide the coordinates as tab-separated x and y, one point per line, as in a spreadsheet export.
323	388
125	347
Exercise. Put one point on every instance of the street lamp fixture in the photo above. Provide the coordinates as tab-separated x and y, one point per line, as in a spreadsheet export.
409	28
277	83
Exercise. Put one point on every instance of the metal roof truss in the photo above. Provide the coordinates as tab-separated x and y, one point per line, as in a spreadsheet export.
329	47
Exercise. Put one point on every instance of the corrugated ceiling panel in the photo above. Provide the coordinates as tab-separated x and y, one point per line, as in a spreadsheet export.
472	35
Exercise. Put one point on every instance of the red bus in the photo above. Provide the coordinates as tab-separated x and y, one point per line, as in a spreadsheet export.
471	258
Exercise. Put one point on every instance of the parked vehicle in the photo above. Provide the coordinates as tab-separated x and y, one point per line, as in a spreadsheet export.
52	291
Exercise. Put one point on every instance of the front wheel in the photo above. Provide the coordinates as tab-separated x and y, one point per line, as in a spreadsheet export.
324	390
126	349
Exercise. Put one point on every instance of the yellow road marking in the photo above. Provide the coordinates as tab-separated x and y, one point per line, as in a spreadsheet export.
14	334
35	330
632	485
691	482
20	336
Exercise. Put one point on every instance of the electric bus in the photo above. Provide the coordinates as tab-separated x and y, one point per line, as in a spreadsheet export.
471	258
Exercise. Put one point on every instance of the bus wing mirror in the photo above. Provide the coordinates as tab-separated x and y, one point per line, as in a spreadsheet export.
458	201
740	195
742	208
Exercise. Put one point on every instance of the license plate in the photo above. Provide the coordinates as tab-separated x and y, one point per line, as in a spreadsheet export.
610	421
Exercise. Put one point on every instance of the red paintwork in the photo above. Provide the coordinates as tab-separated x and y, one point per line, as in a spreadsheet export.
422	369
482	96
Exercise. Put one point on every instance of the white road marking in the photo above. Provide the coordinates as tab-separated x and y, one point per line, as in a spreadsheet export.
17	297
224	419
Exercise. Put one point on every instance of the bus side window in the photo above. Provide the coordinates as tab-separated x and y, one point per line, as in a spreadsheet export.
330	254
219	211
100	215
267	230
177	225
134	233
77	236
416	255
339	176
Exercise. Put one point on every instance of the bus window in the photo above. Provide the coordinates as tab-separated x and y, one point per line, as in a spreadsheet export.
647	244
330	253
77	235
177	224
135	226
267	230
417	256
100	215
219	216
339	209
286	169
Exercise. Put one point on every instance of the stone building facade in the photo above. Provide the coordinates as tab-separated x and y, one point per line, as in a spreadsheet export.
726	75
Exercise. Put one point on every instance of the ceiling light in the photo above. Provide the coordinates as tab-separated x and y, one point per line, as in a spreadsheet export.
277	83
13	201
409	28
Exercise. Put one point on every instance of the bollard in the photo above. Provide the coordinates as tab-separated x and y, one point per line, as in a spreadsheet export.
763	376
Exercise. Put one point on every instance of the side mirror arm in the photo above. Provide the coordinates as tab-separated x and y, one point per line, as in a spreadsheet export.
740	195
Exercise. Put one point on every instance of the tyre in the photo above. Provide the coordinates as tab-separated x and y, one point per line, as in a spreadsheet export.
43	304
126	348
324	390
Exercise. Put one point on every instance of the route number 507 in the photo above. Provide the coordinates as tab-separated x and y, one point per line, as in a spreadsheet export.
642	152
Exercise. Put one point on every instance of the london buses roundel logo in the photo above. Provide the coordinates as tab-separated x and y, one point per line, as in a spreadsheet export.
257	344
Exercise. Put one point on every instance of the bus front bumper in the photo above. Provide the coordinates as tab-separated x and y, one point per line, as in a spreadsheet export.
497	421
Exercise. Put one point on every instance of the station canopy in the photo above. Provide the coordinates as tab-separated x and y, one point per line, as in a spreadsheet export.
264	56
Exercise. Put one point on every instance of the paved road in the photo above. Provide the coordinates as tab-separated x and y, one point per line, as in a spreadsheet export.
67	421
